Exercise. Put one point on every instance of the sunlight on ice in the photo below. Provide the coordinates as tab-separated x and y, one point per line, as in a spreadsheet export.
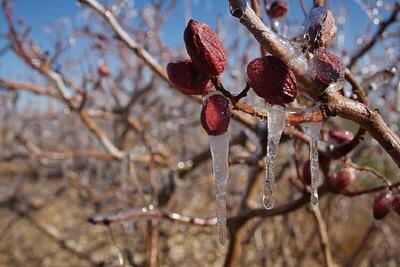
312	130
219	146
276	123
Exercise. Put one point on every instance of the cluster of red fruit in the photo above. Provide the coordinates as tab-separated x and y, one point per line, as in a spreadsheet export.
269	76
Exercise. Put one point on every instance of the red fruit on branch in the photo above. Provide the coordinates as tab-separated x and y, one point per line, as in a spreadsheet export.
341	136
343	178
320	28
272	80
327	68
382	205
103	70
205	48
215	115
187	78
396	203
278	9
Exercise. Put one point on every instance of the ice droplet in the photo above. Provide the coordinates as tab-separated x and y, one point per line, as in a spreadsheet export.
219	146
312	130
276	123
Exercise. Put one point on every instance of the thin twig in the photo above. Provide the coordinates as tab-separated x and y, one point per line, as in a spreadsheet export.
376	37
323	235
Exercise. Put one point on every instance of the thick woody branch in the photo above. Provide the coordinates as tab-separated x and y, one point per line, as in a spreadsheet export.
366	118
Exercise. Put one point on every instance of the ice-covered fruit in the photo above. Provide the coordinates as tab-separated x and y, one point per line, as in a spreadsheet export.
342	179
341	136
187	78
103	70
396	203
382	205
327	68
205	48
278	9
320	28
215	115
272	80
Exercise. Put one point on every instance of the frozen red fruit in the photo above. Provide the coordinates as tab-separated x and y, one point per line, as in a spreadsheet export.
185	76
103	70
396	203
215	115
341	136
320	28
382	205
343	178
278	9
327	68
205	48
272	80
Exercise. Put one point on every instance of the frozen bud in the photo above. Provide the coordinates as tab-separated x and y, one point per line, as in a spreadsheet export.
215	115
342	179
382	205
341	136
272	80
278	9
205	48
103	70
187	78
327	68
320	28
396	203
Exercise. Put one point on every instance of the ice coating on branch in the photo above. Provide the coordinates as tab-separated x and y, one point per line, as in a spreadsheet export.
219	146
312	130
276	123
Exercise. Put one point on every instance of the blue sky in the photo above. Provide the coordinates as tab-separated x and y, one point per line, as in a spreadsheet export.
39	13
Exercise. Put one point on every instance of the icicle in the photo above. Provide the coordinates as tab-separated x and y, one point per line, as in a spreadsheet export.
312	130
276	123
219	146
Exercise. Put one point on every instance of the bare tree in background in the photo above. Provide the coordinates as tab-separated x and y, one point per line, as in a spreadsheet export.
111	167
